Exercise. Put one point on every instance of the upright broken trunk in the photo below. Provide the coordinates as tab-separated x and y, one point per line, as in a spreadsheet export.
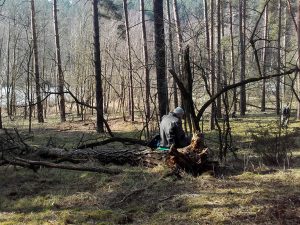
187	80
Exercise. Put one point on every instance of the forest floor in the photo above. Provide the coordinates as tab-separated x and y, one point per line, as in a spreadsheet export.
247	191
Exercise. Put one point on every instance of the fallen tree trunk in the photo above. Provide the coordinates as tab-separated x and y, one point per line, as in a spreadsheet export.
134	155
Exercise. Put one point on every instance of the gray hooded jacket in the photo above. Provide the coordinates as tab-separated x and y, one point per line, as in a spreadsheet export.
171	132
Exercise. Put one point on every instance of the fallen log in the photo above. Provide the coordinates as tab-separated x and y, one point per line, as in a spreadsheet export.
134	155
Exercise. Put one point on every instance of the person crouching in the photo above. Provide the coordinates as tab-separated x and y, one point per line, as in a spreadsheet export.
171	131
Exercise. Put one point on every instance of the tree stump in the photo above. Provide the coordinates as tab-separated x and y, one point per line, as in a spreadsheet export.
192	159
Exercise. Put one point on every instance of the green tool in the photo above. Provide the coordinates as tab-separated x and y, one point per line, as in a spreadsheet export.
163	149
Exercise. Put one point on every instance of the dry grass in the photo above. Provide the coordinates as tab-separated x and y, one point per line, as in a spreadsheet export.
262	196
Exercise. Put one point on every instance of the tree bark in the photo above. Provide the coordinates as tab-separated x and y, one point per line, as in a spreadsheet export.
133	155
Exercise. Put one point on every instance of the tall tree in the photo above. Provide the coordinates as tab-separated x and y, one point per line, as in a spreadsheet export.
146	63
172	61
97	68
212	62
1	48
36	66
242	29
233	66
278	59
62	107
298	79
160	57
264	57
219	58
179	35
8	71
131	99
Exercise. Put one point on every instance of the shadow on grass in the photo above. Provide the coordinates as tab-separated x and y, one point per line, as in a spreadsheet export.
167	201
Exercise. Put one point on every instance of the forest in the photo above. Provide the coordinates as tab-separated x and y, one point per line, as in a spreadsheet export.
86	86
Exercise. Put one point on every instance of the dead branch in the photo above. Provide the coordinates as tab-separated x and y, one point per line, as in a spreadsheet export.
232	86
30	163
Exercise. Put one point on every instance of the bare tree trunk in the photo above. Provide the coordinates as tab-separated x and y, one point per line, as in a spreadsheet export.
298	80
62	106
264	56
1	125
233	66
146	65
278	59
212	63
131	99
160	55
97	67
172	53
36	66
242	23
179	36
219	58
8	72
